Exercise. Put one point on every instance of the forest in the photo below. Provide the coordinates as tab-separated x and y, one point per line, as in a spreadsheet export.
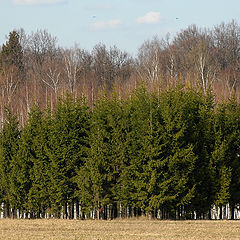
103	134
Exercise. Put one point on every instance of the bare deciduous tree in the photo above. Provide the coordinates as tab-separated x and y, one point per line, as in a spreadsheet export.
72	66
51	73
9	82
148	60
42	46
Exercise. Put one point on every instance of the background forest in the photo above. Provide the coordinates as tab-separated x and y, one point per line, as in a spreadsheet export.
34	68
103	134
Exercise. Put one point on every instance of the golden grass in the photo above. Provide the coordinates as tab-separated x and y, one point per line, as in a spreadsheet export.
117	229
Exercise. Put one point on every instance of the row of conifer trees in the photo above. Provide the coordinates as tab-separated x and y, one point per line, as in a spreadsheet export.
171	154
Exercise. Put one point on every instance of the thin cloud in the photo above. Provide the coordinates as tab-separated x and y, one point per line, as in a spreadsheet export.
100	7
36	2
150	18
114	23
99	25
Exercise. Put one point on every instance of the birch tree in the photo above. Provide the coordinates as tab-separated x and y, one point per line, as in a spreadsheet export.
72	67
51	74
226	40
42	45
149	62
9	82
206	65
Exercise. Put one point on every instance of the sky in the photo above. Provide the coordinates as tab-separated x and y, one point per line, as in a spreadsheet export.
124	23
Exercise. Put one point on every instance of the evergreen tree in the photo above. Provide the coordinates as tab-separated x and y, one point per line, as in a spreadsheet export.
38	128
98	165
201	135
9	140
29	170
226	155
221	171
174	165
122	187
140	121
68	143
12	53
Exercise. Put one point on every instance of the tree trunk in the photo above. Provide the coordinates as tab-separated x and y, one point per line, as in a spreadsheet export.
77	209
104	213
65	211
232	207
6	210
114	211
221	212
127	212
209	214
120	210
71	210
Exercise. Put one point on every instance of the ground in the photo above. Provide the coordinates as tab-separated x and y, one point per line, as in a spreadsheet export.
118	229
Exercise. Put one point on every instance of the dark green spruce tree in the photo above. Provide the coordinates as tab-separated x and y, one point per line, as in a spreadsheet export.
9	143
140	125
96	178
37	130
12	54
29	171
177	117
226	157
67	150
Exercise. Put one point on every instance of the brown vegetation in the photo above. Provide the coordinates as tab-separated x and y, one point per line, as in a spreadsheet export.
118	229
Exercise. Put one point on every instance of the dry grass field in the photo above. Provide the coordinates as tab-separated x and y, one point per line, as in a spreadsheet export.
118	229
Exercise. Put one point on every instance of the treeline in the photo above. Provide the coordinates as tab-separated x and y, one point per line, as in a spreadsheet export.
171	154
34	67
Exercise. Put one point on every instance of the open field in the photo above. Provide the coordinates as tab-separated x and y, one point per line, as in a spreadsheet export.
117	229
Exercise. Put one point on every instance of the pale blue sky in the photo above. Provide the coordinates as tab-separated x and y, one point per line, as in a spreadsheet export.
124	23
